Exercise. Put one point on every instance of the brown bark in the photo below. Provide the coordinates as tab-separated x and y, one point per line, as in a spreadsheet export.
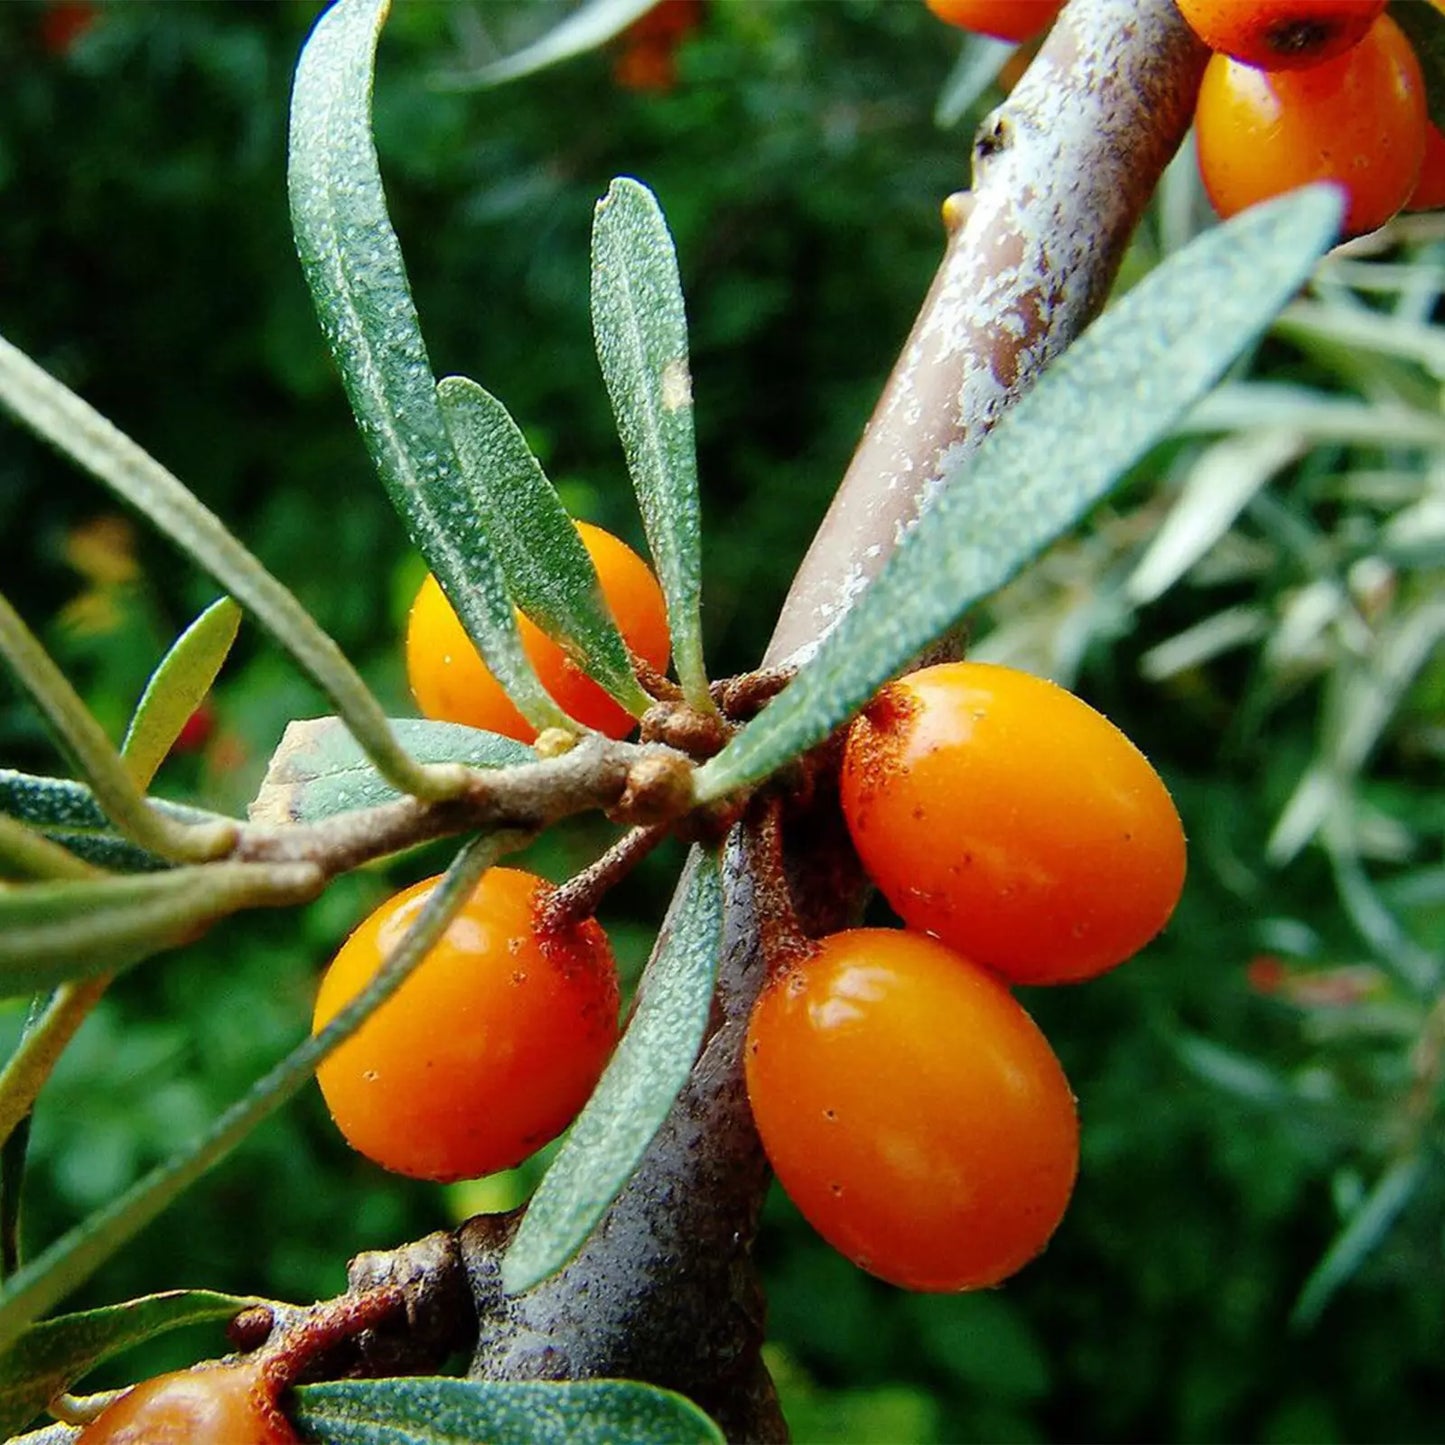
665	1290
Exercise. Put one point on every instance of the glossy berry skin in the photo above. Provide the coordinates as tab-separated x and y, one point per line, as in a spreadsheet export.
1281	34
1007	817
912	1110
212	1405
488	1050
1358	120
1016	20
450	681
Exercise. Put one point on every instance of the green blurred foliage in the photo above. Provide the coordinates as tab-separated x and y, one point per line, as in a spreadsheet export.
1242	1087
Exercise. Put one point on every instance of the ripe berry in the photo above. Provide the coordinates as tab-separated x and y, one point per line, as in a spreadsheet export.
210	1405
1358	120
1281	34
451	682
912	1110
488	1050
1003	814
1016	20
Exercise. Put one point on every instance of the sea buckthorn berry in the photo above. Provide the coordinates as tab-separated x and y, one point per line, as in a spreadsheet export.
210	1405
912	1110
1016	20
488	1050
1281	34
1358	120
1003	814
1429	192
450	681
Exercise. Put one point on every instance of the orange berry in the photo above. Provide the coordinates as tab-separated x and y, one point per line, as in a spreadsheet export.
488	1050
912	1110
1281	34
1429	192
210	1405
1358	120
1016	20
1003	814
450	681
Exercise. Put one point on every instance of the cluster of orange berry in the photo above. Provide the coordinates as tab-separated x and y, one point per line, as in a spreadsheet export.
909	1105
498	1038
1296	91
1314	90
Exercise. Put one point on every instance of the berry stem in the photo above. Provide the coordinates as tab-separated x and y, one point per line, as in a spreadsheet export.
580	895
785	944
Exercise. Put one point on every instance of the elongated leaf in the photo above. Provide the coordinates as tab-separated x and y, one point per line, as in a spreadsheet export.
74	1257
50	1357
461	1412
74	427
1217	490
549	574
1120	388
1218	633
977	67
50	932
633	1096
1251	405
178	687
67	813
63	805
358	282
317	769
1361	330
640	328
587	27
26	852
1231	1071
85	741
1367	1227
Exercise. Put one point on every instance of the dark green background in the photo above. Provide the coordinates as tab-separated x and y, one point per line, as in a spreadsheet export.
145	257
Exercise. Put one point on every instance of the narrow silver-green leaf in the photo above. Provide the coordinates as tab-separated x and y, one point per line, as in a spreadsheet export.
426	1411
177	688
1251	405
50	1024
977	67
1367	1227
1217	489
590	25
85	741
354	267
72	425
549	574
631	1100
640	328
1119	389
51	932
67	813
74	1257
317	769
49	1357
25	852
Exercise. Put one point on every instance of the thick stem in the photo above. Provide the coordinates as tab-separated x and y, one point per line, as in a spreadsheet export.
1062	172
665	1290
